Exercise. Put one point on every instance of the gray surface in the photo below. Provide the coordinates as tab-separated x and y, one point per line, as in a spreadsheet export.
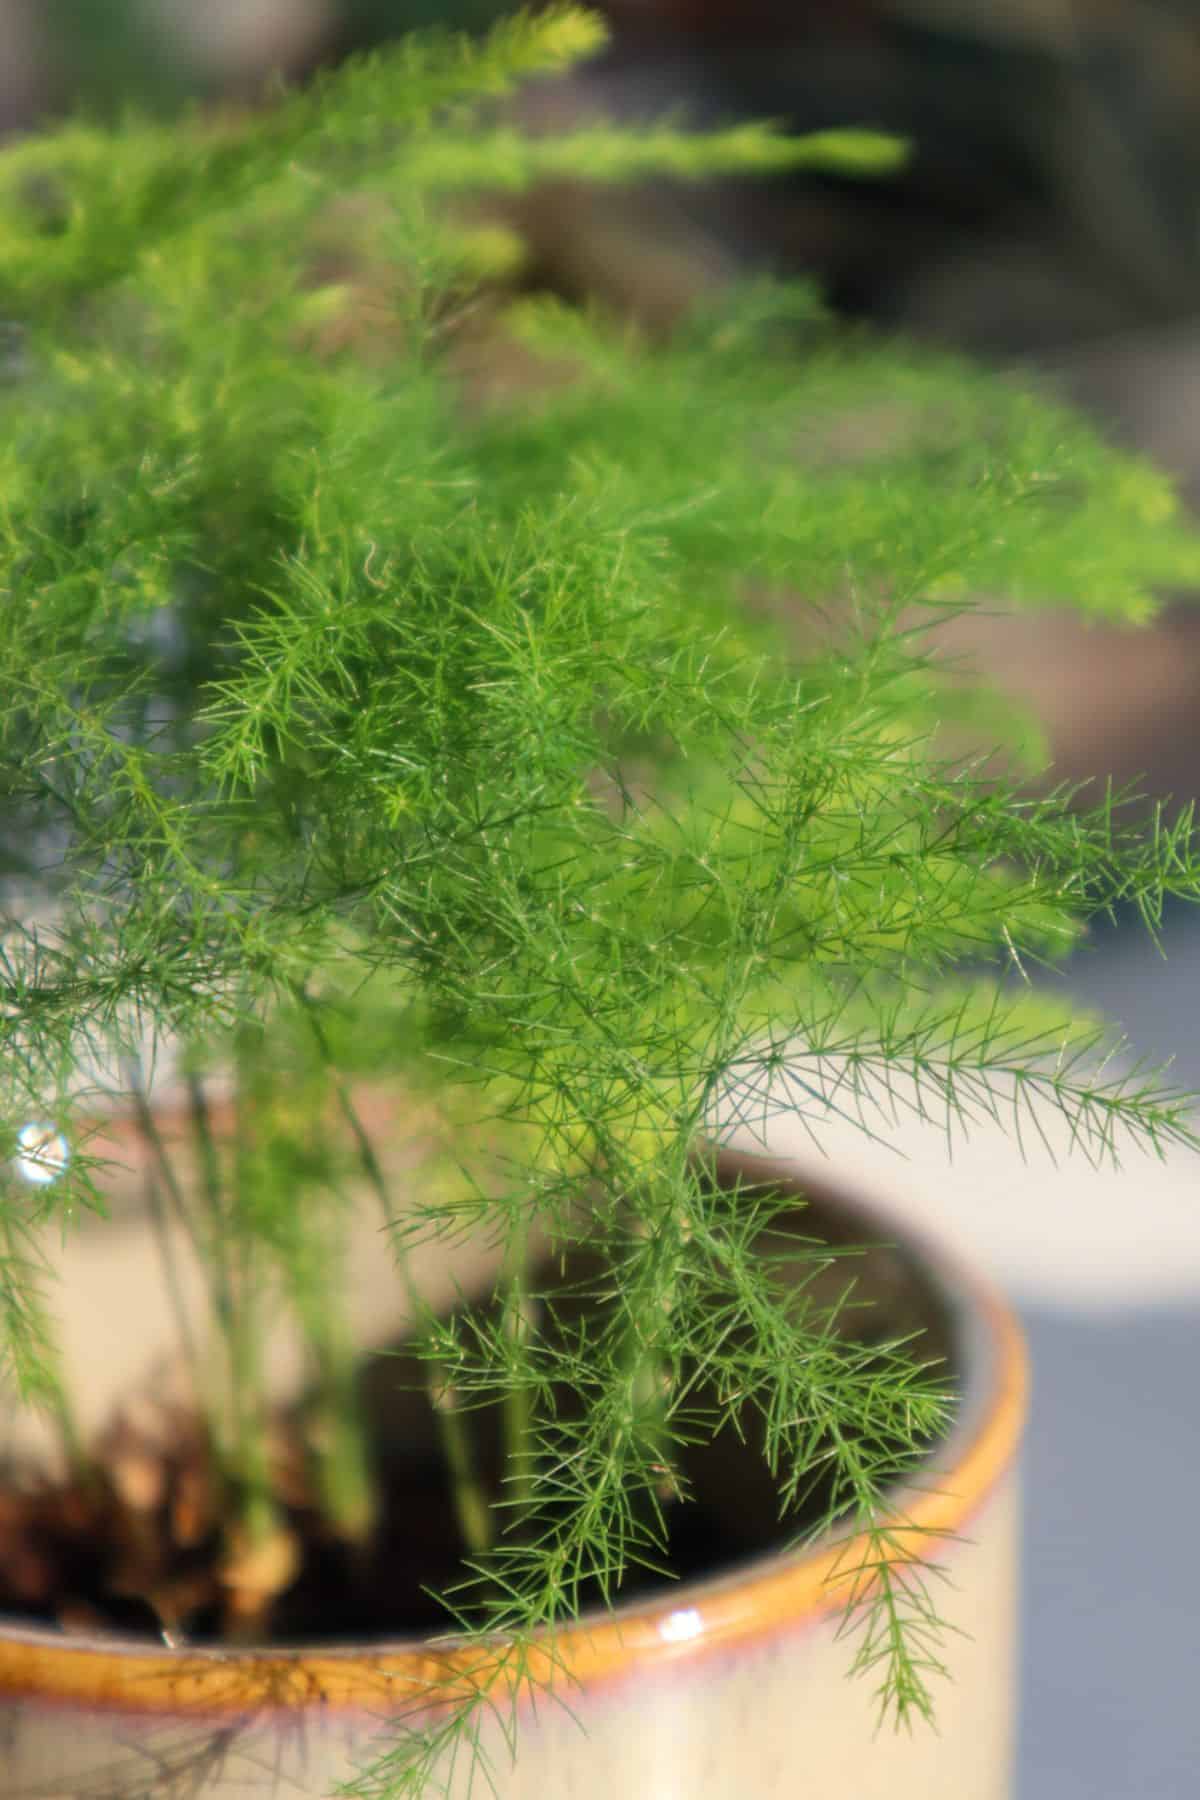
1110	1673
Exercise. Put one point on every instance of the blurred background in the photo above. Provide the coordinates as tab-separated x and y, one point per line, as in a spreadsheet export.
1048	221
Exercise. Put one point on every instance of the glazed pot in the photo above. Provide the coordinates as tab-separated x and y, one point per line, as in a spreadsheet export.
733	1685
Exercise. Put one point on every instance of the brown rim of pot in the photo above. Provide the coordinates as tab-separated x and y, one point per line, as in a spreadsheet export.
772	1594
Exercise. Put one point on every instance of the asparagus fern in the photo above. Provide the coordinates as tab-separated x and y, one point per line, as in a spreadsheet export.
348	729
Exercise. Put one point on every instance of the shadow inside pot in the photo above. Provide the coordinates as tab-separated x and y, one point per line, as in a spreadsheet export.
715	1508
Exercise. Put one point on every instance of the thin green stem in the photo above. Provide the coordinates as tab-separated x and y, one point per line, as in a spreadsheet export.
649	1380
173	1280
216	1258
519	1323
471	1507
256	1509
344	1474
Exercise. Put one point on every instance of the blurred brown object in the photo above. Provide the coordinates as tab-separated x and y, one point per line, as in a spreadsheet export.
59	55
1052	191
22	62
1114	703
772	20
232	44
1117	702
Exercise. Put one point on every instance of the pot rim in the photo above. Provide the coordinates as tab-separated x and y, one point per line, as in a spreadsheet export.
756	1599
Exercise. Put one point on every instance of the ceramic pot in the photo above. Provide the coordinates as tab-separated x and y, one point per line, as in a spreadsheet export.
732	1686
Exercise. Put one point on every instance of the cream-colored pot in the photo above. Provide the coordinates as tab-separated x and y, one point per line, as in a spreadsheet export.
734	1688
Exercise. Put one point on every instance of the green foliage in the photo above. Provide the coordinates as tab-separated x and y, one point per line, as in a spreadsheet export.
348	727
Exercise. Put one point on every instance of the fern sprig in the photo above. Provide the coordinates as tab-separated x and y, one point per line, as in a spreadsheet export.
331	698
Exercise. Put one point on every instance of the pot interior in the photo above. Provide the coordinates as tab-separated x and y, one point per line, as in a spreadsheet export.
882	1291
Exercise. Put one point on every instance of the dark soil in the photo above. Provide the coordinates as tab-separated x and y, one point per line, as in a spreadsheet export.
140	1547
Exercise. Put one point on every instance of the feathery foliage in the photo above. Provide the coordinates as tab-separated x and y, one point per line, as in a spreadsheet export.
348	729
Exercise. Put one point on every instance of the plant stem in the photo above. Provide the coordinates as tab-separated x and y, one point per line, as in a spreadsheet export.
650	1388
210	1186
520	1319
343	1472
471	1508
255	1506
148	1127
171	1278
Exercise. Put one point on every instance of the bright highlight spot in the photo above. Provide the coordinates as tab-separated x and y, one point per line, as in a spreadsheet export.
42	1154
679	1627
